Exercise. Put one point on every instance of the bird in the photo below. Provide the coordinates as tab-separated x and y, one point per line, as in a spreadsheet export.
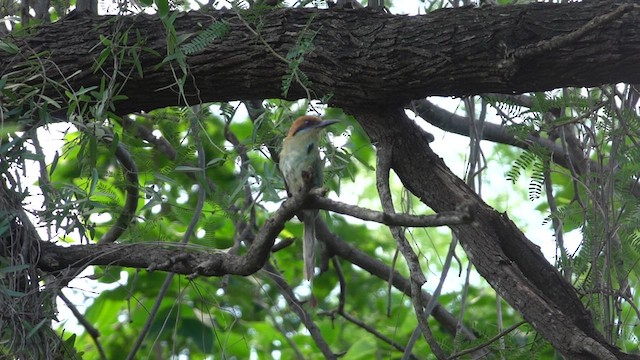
300	160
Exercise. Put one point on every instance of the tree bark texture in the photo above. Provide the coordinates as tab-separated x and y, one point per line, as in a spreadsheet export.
358	56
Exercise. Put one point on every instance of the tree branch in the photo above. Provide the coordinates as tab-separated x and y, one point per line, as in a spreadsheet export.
471	59
462	216
190	262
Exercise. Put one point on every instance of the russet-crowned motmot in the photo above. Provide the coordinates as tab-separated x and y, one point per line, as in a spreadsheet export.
300	155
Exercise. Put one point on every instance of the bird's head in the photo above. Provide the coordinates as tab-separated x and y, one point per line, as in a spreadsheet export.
308	124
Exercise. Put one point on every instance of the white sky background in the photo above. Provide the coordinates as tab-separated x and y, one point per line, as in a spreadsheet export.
451	147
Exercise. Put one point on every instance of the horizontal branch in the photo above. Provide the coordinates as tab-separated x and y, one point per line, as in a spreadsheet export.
152	256
356	56
500	134
460	125
463	216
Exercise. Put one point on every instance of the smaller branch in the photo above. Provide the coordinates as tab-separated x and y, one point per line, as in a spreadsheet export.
559	41
394	261
488	342
374	332
130	171
297	307
434	297
463	216
457	124
417	277
342	298
282	244
92	331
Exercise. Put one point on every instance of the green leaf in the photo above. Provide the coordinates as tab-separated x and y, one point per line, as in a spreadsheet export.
163	7
365	348
37	327
185	168
12	293
9	47
14	268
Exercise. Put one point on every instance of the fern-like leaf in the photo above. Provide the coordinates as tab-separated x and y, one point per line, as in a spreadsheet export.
215	31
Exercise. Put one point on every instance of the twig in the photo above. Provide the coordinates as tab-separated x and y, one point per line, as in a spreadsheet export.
394	261
434	298
297	307
282	244
372	330
487	343
560	40
342	298
392	219
92	331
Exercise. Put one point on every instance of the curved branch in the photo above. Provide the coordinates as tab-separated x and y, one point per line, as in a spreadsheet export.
383	167
133	194
510	262
172	258
457	124
568	158
91	330
297	307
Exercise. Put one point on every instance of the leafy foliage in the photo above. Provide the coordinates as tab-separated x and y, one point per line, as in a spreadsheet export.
214	31
295	58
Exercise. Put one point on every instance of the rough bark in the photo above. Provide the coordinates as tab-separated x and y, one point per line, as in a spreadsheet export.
359	56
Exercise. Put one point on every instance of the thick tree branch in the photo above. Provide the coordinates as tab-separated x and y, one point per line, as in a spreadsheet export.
384	59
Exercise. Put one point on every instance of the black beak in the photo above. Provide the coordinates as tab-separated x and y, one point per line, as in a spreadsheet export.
326	123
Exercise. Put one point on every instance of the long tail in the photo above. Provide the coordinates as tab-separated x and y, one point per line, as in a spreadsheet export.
309	243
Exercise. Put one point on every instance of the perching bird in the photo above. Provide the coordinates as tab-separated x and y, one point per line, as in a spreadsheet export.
300	154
